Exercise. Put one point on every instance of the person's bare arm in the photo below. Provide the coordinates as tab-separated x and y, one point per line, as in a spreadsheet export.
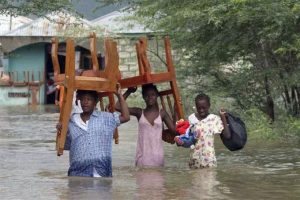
56	96
168	121
123	108
226	131
132	110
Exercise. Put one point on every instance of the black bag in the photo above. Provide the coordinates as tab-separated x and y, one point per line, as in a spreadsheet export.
238	131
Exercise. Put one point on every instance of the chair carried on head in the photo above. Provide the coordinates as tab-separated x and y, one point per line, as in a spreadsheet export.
146	76
105	82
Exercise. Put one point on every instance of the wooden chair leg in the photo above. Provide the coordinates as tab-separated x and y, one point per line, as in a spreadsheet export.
101	102
61	95
64	120
162	101
177	99
68	95
112	109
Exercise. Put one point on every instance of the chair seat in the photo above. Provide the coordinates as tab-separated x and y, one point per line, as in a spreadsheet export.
88	83
145	79
95	83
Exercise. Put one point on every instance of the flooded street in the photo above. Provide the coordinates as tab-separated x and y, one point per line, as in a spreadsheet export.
30	168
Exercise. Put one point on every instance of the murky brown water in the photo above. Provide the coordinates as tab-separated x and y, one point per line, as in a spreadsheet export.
30	168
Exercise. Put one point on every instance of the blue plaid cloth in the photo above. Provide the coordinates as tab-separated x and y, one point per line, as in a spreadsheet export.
92	148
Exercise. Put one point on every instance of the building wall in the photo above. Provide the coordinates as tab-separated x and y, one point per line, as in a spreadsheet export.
7	92
30	58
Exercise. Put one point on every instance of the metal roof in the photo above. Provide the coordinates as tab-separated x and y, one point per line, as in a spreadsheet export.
53	24
66	24
114	22
8	23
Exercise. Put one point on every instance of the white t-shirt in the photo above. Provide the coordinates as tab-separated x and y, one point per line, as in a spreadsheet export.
193	119
80	122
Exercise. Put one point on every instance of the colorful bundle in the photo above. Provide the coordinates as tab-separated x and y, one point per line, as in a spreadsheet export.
181	126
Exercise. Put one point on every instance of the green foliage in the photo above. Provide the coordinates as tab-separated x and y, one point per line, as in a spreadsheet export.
247	48
287	127
33	7
244	53
258	125
294	128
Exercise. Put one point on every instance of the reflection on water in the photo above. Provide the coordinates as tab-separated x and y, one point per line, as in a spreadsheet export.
150	183
30	168
87	188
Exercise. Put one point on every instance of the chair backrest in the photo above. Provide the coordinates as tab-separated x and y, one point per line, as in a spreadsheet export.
143	62
93	50
111	69
169	105
111	59
168	52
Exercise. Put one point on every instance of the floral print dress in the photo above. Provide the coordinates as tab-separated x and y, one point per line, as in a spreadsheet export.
203	153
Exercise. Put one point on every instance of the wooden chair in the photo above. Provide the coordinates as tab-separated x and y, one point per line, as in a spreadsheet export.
147	76
89	80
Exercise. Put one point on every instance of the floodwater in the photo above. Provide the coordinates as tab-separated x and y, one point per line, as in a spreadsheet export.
30	168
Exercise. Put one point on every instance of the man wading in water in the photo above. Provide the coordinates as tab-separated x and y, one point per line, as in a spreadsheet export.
90	136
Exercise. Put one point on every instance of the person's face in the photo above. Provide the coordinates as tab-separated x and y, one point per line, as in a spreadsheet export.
88	103
202	107
150	97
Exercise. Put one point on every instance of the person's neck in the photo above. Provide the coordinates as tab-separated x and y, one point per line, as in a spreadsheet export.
85	116
152	107
199	117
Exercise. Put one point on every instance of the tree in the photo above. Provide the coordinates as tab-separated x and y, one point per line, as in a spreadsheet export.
248	48
33	7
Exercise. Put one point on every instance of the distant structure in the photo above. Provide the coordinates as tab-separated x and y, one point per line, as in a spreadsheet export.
25	51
